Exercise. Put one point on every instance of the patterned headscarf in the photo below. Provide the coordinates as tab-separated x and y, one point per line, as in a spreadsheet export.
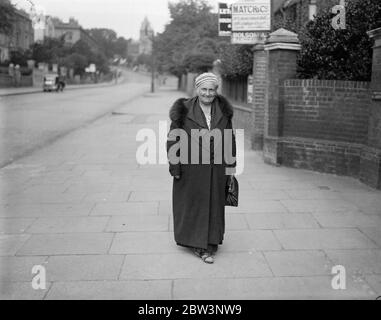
204	77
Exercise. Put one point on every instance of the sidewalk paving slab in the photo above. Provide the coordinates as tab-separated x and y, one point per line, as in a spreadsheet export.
111	290
162	266
357	261
102	224
143	242
46	210
125	208
14	225
271	288
84	267
276	221
11	243
375	282
11	290
138	222
298	263
19	268
66	243
324	239
68	225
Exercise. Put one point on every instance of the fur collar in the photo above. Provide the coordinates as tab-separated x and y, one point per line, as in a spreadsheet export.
179	110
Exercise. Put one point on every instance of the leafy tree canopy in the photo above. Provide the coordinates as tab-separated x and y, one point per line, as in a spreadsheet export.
78	56
50	50
237	60
109	41
344	54
77	62
190	41
7	12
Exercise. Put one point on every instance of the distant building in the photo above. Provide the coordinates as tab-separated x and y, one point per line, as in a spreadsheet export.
144	44
4	47
146	35
21	37
294	14
72	32
47	31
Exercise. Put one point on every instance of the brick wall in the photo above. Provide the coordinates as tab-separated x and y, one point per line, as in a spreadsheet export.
323	156
331	126
281	65
330	110
326	126
259	93
6	81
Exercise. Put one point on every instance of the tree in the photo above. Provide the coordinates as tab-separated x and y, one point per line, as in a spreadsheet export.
7	13
50	50
120	47
20	57
98	58
144	59
344	54
77	62
191	34
100	61
82	48
237	60
109	42
198	62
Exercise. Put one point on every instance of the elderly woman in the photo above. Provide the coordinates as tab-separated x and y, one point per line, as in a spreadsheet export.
198	129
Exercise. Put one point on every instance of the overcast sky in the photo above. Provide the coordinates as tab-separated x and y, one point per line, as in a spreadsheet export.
123	16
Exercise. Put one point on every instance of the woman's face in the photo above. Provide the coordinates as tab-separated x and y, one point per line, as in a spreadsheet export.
207	92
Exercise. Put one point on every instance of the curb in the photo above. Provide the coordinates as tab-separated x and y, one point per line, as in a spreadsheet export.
75	87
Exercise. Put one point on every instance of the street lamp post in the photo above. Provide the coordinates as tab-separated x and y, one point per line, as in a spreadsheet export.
153	73
152	64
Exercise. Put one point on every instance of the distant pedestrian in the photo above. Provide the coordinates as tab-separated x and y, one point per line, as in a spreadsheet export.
11	73
115	76
17	75
61	79
198	196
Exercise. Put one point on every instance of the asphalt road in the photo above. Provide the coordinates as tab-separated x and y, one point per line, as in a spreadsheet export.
31	121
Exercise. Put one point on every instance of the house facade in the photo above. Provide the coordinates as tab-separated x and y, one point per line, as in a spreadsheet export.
21	37
294	14
72	32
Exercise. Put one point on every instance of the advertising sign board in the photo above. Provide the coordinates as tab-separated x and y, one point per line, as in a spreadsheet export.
253	15
224	20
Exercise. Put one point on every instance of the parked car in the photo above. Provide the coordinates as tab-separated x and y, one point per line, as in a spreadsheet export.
50	82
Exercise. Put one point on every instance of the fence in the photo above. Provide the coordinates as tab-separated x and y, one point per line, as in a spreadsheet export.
235	89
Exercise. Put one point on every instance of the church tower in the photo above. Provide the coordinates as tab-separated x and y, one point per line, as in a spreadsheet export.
146	34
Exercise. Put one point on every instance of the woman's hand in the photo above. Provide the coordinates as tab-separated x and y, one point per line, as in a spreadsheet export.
177	177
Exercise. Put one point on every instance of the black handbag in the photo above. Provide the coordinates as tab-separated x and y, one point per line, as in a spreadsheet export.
231	198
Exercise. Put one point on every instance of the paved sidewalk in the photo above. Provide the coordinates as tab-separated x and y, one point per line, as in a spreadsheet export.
101	224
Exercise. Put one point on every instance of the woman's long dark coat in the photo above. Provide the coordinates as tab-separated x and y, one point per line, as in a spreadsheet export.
199	195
